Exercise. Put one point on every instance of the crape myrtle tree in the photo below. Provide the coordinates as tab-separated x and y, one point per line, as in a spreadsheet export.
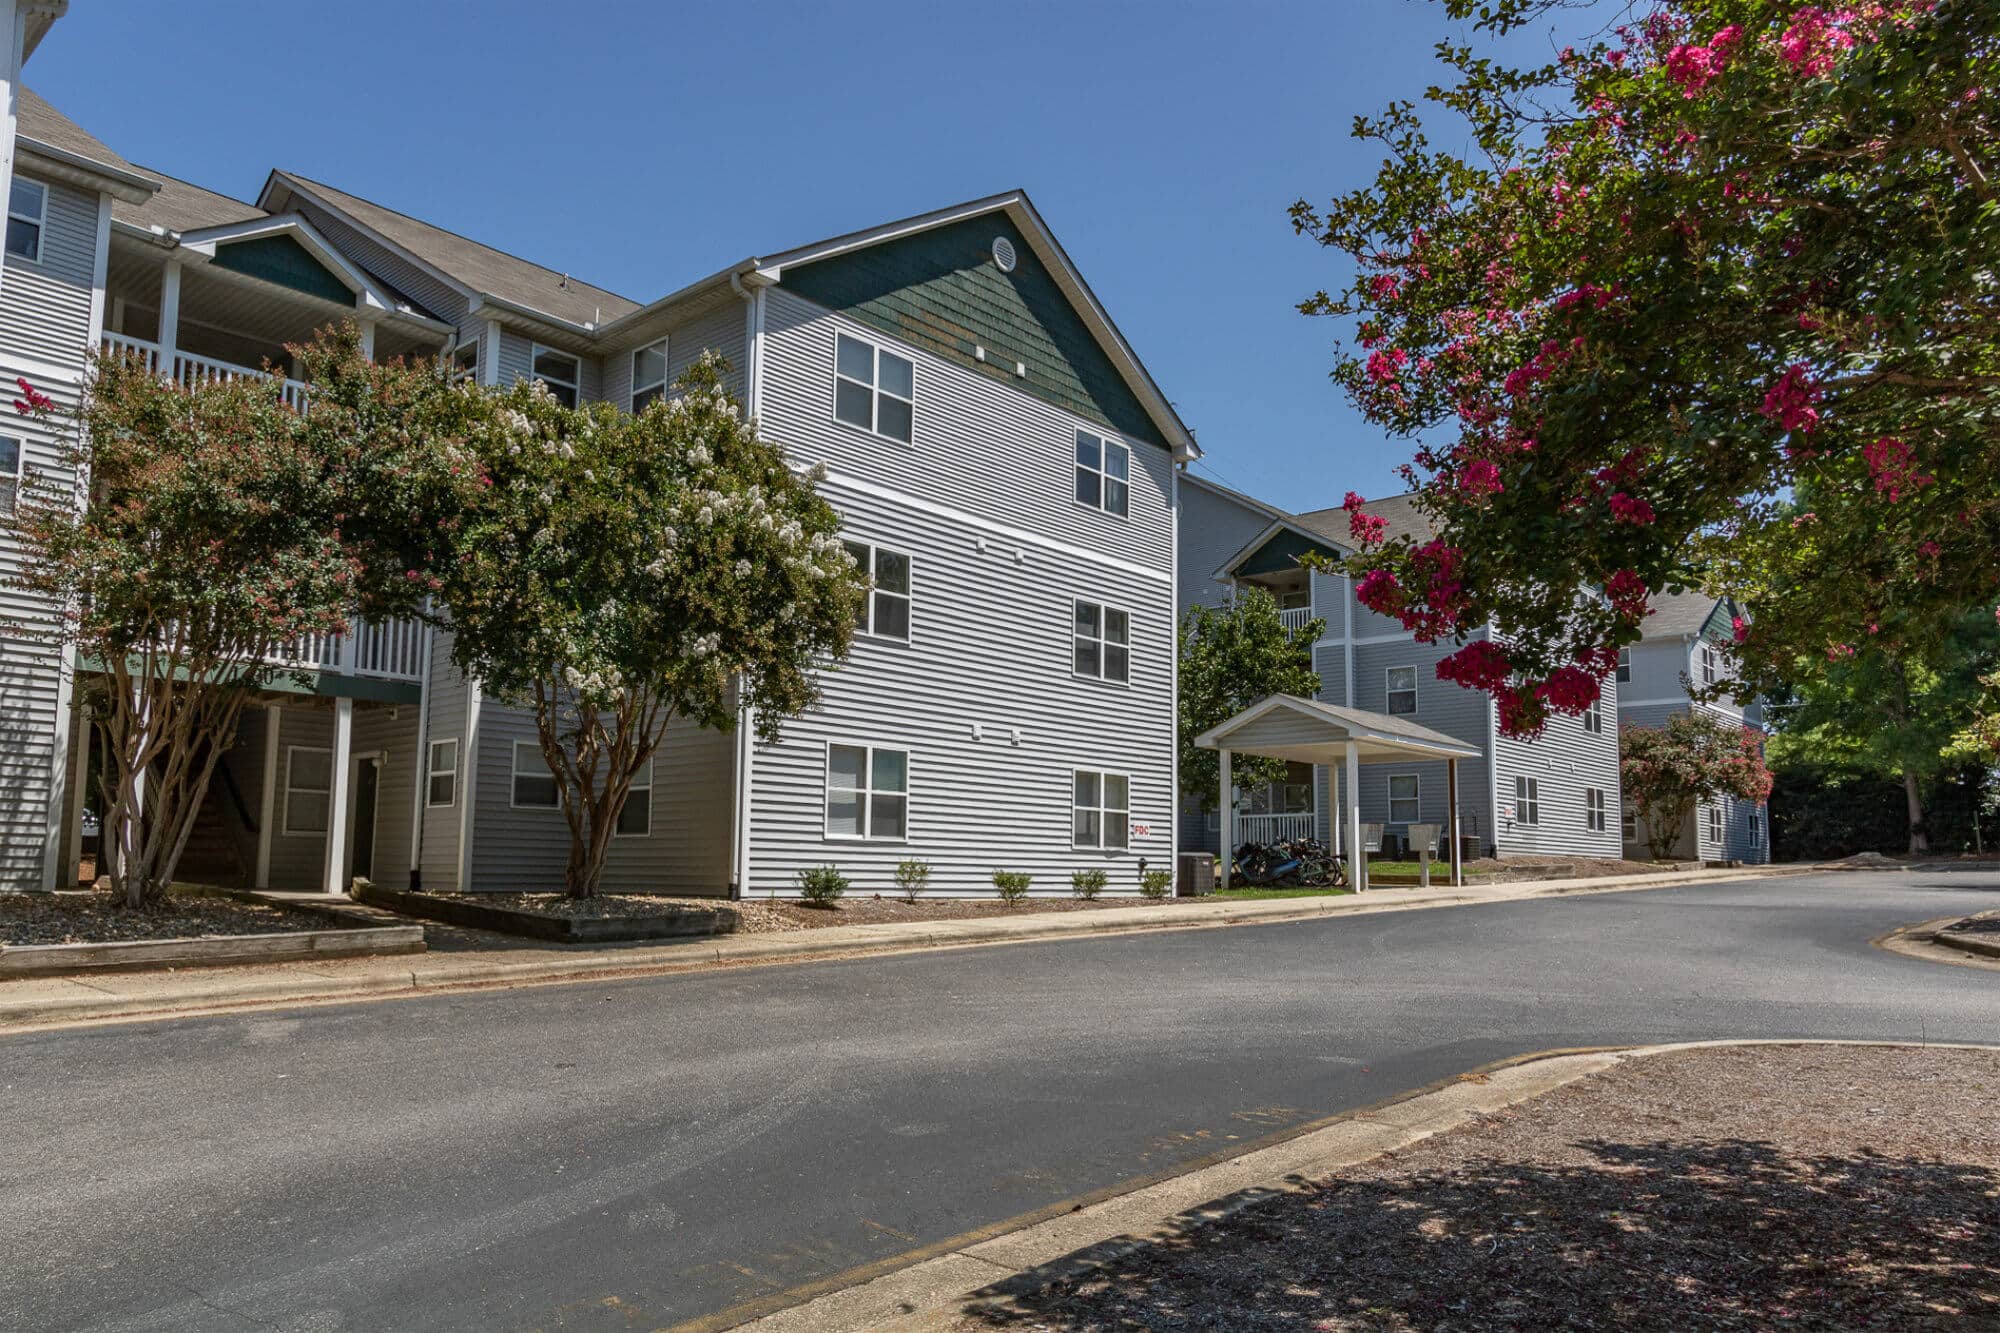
624	571
1694	757
1230	657
1710	302
215	526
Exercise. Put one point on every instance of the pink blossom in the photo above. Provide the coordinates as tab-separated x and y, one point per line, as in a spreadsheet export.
1478	478
1739	628
1380	592
1384	287
32	400
1790	401
1480	665
1367	529
1627	593
1892	464
1810	44
1385	367
1630	509
1569	689
1352	501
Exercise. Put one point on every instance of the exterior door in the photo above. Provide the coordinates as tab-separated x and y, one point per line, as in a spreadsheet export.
366	780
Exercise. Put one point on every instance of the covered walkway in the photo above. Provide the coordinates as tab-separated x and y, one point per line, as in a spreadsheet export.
1284	726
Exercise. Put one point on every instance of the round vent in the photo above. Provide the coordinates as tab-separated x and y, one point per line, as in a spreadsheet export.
1003	253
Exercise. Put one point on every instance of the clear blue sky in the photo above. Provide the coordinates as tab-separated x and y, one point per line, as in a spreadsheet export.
640	145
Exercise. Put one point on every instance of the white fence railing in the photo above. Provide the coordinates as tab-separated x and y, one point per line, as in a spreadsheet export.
191	369
1273	828
389	649
1295	617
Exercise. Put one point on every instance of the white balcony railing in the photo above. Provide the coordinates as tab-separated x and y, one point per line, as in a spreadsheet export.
1294	618
191	369
386	649
1273	828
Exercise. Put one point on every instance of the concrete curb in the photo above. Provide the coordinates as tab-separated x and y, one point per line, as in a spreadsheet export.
1973	944
1927	940
989	1267
151	995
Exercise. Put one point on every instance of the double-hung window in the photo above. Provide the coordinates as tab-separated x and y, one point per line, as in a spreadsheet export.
560	371
1405	805
1100	808
1707	665
308	789
1715	823
873	388
441	775
1593	809
635	817
1593	716
1624	665
10	473
1103	473
534	784
465	362
1628	824
1756	827
885	612
27	214
649	375
1402	681
1103	638
1527	800
867	792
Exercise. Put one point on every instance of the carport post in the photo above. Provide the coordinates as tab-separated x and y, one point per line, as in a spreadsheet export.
1228	824
1451	821
1356	858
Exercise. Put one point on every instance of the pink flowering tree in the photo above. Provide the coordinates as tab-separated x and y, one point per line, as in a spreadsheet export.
215	525
1710	306
1695	757
623	572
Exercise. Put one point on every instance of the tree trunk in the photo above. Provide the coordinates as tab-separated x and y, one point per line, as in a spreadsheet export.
1920	841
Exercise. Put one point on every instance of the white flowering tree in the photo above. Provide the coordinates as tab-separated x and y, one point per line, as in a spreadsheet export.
625	571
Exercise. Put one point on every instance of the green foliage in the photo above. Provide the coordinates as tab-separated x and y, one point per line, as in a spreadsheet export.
624	571
220	525
1695	757
1822	813
822	886
1229	659
1156	884
1012	884
912	875
1087	884
1736	254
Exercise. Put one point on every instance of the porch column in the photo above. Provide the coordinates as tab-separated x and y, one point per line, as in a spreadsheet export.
170	315
336	815
1451	821
1357	860
368	340
74	797
1228	826
267	799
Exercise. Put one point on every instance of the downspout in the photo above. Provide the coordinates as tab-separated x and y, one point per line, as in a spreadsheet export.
1174	729
739	848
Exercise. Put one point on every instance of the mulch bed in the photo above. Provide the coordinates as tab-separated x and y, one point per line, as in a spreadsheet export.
764	916
96	917
1746	1188
1975	925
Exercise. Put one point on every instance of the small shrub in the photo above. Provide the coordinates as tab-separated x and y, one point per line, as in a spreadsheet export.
1156	884
911	877
1013	884
1087	884
821	886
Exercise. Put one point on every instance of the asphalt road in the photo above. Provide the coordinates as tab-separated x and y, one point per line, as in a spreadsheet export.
636	1153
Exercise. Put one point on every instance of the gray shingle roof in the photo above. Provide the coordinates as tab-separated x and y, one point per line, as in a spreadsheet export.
39	121
1677	613
477	266
184	206
1399	511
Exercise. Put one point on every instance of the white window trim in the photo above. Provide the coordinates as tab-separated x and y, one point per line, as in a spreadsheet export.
433	772
1102	810
1527	796
1628	824
10	502
867	793
1388	691
1756	827
1076	637
631	793
1624	672
875	390
291	751
40	221
575	386
634	389
1593	717
1105	444
1595	817
514	771
910	597
1717	826
1416	800
1706	662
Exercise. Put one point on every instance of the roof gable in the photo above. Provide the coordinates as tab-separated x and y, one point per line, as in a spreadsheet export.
282	260
1279	547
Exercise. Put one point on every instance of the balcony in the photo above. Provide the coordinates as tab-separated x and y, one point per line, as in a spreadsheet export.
1294	618
379	649
1274	828
190	369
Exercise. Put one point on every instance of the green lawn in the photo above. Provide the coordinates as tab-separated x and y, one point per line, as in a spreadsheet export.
1440	869
1246	894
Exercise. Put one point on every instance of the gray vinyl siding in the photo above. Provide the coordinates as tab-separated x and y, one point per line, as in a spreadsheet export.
1213	528
446	702
45	306
990	648
720	330
376	731
516	357
980	446
525	850
1565	761
298	860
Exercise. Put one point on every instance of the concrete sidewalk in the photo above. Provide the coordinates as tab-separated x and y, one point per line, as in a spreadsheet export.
57	1001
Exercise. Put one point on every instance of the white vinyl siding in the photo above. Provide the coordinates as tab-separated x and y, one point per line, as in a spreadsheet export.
1405	798
308	790
885	613
1101	805
533	786
867	793
1402	691
874	389
649	374
561	371
1103	641
1103	473
635	817
441	775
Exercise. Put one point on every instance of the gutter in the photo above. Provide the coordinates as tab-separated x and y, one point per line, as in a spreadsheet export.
130	186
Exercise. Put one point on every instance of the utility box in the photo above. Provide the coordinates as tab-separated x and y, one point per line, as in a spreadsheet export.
1424	845
1197	875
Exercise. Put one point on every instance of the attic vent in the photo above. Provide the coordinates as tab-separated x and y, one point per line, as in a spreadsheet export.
1003	253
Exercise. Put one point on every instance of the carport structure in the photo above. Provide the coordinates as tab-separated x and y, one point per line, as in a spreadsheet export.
1284	726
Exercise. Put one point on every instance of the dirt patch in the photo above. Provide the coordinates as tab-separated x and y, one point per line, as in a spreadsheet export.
96	917
1742	1188
764	916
